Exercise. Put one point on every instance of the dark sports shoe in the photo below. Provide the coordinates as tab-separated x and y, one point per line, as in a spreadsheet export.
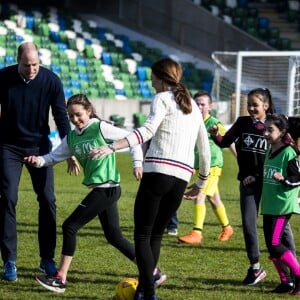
52	283
172	231
159	277
48	267
10	271
296	289
140	296
283	287
254	276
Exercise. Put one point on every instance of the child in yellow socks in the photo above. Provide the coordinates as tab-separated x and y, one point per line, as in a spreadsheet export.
211	190
195	237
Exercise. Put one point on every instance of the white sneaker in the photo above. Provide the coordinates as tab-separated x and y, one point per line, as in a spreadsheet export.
172	231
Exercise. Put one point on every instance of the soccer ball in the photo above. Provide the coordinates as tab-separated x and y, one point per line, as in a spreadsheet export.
125	289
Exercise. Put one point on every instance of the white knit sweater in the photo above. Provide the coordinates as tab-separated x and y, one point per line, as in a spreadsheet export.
173	137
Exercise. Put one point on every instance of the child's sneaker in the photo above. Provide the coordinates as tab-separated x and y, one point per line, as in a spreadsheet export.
10	271
48	267
193	238
52	283
254	276
226	233
296	289
172	231
283	287
159	277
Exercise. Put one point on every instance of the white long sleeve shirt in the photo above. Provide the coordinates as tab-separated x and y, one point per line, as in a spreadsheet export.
173	136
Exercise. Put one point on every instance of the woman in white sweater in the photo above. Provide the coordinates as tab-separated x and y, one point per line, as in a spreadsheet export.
174	126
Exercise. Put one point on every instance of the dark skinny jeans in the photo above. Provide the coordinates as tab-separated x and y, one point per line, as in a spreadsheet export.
158	198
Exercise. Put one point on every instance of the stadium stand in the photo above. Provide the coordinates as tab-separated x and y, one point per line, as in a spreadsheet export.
87	57
275	22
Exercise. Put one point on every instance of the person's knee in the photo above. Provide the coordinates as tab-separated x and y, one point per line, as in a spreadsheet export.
113	236
68	228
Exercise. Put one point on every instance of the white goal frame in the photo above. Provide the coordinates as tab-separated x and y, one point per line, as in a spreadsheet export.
293	57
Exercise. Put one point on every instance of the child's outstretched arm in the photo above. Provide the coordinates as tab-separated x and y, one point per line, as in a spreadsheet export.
61	153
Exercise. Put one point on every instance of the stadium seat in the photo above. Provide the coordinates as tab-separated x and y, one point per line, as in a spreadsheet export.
294	5
139	119
250	22
274	33
231	3
67	92
239	12
131	65
243	3
206	86
281	6
252	31
29	22
141	73
74	83
106	58
215	10
285	44
118	120
252	12
84	84
206	3
83	76
219	3
118	84
293	15
55	68
129	93
116	58
145	93
71	54
9	60
263	22
273	42
143	84
263	33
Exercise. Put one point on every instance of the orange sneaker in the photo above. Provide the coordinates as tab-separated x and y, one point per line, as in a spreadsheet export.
226	233
193	238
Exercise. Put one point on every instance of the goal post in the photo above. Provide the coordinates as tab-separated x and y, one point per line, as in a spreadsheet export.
236	73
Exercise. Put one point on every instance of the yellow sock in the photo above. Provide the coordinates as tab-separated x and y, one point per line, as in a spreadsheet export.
220	213
199	216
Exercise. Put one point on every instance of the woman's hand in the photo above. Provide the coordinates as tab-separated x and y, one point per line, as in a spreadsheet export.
138	173
193	193
99	152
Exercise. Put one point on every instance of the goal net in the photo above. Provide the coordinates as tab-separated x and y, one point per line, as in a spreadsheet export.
236	73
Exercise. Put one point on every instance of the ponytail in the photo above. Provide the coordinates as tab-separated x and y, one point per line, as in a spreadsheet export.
170	72
182	97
